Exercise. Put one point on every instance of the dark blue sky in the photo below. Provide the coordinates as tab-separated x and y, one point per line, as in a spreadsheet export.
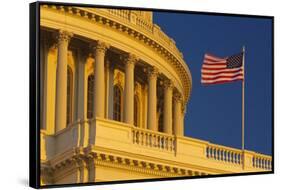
214	112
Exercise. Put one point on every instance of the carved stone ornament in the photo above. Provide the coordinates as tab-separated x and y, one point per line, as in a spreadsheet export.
131	59
178	97
153	72
64	36
101	47
168	84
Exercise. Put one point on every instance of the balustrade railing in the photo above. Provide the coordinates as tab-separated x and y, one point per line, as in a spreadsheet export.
147	26
78	134
262	162
144	24
163	36
153	139
224	154
121	13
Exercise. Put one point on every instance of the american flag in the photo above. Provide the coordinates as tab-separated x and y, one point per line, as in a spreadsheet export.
217	70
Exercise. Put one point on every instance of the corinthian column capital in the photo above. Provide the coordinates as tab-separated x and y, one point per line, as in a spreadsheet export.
100	47
177	97
64	36
153	72
183	109
131	59
168	84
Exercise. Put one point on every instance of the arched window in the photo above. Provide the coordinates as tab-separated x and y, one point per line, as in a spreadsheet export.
69	95
136	111
117	103
90	97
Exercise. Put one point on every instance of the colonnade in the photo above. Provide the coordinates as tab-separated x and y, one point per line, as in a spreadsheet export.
172	111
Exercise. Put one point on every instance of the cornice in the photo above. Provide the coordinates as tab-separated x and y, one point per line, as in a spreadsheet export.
151	36
84	157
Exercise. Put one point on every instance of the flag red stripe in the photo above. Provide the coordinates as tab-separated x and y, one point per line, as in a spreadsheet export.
205	71
213	67
218	77
222	78
214	63
213	58
222	81
221	74
216	69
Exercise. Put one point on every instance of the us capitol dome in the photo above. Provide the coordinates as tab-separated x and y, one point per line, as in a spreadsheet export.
114	92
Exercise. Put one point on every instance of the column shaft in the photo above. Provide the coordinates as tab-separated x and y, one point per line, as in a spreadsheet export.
99	84
183	111
177	118
61	80
81	100
152	100
106	78
144	110
110	91
129	89
167	119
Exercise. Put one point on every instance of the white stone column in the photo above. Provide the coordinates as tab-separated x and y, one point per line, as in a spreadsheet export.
144	110
61	80
110	90
81	97
168	98
183	112
106	77
178	115
129	89
99	84
152	99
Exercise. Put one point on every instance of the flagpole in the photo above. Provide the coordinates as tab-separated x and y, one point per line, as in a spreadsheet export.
243	108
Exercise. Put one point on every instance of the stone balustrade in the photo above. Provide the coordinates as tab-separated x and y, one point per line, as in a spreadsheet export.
262	161
224	154
128	137
147	27
153	139
144	24
121	13
235	156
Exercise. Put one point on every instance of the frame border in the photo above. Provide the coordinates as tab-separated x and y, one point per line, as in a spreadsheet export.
34	94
